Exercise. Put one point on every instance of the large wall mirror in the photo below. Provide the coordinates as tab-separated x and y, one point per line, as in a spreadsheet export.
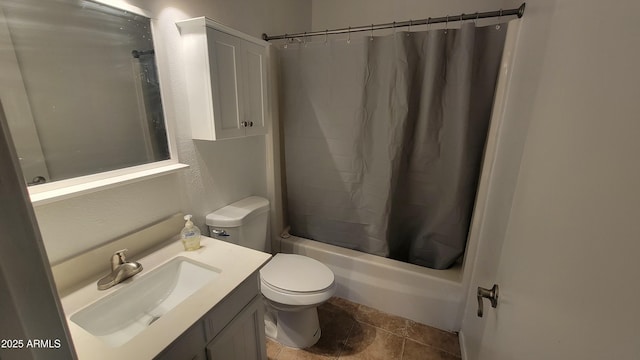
79	87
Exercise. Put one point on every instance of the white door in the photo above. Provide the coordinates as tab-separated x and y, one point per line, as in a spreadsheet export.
565	248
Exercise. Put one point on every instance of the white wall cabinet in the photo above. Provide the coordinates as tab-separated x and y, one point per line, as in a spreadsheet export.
226	74
233	329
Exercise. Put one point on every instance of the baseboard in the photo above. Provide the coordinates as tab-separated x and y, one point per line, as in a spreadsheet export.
463	348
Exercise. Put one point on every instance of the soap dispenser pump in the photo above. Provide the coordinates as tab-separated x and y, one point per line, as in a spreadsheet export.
190	235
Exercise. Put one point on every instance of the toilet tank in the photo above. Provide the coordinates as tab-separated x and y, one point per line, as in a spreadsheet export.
244	222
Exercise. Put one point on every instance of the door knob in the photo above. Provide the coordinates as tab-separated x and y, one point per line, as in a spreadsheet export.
491	294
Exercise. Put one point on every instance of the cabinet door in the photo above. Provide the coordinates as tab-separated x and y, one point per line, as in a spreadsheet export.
255	87
243	338
189	346
226	92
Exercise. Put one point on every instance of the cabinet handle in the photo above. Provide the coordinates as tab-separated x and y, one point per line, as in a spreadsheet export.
243	124
250	123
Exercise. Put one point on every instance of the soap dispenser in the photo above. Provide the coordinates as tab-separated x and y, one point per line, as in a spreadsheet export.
190	235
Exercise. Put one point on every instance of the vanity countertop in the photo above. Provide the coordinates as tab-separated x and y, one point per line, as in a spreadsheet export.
236	262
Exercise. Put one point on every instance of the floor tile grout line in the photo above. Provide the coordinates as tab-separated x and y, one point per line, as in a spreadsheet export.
379	328
373	326
353	325
427	345
279	351
402	335
434	347
405	333
405	336
346	339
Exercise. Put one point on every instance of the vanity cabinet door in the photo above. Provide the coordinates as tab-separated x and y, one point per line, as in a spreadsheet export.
243	338
188	346
222	314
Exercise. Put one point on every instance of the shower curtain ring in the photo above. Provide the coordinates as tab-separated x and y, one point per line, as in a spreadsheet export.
286	39
461	18
499	20
326	36
349	35
446	25
371	39
409	30
476	19
428	23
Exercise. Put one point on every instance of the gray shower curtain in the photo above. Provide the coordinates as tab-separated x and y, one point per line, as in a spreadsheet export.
384	139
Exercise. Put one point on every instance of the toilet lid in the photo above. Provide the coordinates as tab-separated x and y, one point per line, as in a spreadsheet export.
296	273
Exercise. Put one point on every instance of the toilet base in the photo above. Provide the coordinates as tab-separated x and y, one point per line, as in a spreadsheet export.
296	329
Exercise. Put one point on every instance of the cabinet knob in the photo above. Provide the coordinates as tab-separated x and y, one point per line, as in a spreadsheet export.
250	123
243	124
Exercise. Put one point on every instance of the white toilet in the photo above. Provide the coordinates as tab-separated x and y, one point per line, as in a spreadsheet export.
293	285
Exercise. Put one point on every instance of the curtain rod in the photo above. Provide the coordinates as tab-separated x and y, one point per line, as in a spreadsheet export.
519	12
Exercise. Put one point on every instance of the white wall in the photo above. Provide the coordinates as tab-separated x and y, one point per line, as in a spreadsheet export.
568	266
219	173
328	14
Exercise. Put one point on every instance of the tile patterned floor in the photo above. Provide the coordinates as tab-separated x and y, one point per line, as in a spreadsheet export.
358	332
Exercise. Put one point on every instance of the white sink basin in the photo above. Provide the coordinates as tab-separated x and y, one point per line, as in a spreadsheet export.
120	316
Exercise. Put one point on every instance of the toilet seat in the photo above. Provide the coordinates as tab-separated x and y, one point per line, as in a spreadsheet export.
292	279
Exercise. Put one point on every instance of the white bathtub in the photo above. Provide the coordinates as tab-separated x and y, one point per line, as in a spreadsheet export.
432	297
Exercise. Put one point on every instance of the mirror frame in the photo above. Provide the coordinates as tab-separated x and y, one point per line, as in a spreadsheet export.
77	186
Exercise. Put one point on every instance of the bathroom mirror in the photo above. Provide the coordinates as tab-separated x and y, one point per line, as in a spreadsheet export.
80	88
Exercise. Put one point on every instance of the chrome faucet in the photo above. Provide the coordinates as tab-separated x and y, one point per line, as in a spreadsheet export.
121	269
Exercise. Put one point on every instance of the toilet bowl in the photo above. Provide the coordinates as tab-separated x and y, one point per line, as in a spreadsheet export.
292	285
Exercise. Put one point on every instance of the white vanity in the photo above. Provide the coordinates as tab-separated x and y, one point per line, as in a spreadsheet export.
210	309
